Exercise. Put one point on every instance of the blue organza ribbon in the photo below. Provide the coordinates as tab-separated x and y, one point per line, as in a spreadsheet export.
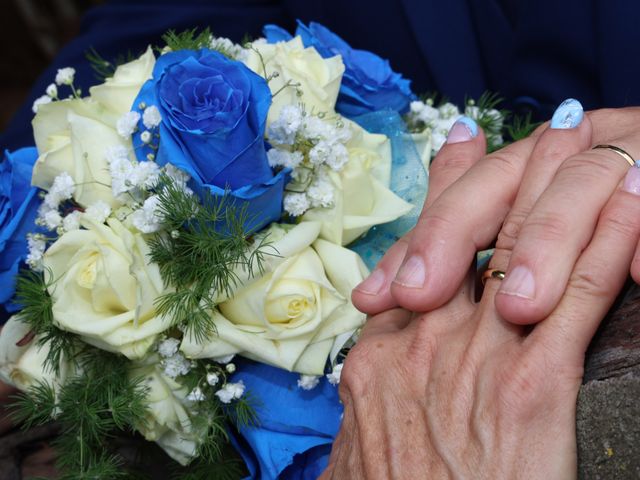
408	180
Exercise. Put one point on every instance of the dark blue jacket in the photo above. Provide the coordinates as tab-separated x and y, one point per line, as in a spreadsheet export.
533	52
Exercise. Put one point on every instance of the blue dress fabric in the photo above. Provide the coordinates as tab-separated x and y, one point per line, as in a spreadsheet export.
535	53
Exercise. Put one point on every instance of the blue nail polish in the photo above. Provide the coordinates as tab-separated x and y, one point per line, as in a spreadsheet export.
463	130
470	123
568	115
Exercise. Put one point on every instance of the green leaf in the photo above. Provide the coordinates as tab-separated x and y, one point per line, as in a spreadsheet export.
187	39
199	255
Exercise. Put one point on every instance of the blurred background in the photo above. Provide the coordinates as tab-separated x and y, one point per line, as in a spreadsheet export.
34	31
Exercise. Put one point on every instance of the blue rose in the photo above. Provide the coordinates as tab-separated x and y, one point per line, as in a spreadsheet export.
214	112
369	84
19	204
296	428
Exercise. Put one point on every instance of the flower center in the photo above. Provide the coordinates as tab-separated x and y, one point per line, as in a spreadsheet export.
88	271
290	303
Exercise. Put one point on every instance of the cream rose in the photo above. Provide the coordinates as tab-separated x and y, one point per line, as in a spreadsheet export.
290	317
318	78
118	92
167	422
103	287
23	366
362	196
73	136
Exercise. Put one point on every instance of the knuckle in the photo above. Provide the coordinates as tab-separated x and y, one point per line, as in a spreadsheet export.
502	163
510	230
550	150
358	370
587	168
448	163
546	226
620	225
591	283
437	220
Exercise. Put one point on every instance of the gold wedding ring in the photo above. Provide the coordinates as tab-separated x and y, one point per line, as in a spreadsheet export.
619	151
492	273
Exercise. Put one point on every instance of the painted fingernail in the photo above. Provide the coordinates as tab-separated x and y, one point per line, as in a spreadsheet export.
568	115
372	284
519	283
632	180
412	273
463	130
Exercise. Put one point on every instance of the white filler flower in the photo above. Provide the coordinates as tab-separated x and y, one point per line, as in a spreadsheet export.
65	76
230	391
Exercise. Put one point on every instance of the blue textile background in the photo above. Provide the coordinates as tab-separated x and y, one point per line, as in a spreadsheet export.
536	54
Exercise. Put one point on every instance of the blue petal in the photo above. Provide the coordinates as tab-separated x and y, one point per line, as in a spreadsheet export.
221	150
20	204
369	84
296	427
275	34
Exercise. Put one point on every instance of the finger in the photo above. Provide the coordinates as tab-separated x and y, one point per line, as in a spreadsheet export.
598	276
557	230
570	134
635	265
634	187
464	219
466	144
373	295
609	122
390	321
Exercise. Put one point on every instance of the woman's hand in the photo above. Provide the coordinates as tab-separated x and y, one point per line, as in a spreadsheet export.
540	197
460	393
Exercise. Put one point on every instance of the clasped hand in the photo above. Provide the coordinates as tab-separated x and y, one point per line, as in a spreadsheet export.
473	390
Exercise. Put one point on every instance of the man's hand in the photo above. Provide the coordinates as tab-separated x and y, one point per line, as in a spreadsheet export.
460	393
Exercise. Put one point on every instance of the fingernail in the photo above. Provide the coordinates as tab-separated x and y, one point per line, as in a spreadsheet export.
411	273
372	284
519	283
632	180
568	115
463	130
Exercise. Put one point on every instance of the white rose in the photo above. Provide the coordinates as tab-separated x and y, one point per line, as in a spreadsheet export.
362	197
23	366
167	421
73	136
318	78
292	315
118	92
104	287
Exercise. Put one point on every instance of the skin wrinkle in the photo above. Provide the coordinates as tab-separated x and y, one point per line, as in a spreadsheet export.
476	358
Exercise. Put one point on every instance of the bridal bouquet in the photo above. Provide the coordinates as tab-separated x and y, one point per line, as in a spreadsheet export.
179	247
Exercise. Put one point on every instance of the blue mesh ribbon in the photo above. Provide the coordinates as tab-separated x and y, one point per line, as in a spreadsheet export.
408	180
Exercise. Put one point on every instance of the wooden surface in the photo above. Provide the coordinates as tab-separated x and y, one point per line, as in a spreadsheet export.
608	414
615	349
